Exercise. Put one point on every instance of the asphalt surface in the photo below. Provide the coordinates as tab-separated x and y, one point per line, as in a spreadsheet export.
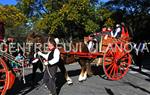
134	83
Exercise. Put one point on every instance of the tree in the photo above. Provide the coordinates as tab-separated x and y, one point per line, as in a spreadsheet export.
135	13
104	17
69	17
11	16
14	21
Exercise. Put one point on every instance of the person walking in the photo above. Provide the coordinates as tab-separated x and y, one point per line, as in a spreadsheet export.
51	59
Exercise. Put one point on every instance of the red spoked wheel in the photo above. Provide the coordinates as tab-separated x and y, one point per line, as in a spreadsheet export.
116	64
6	77
3	77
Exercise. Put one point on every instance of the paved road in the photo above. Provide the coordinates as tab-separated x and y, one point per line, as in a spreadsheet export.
134	83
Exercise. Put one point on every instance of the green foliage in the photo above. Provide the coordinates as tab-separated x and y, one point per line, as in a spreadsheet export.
14	21
105	17
91	26
136	15
65	16
11	16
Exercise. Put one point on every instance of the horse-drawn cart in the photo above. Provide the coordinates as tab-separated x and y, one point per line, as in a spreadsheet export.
115	55
7	73
116	61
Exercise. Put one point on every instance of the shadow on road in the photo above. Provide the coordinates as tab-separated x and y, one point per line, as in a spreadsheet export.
141	72
60	81
147	80
98	70
138	87
21	89
109	91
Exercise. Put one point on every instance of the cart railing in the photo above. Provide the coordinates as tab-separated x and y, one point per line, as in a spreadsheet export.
7	76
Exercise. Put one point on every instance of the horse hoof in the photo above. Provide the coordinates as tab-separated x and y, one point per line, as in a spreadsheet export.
81	81
84	79
69	82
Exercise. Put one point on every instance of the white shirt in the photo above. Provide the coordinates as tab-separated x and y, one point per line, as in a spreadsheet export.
90	46
117	30
54	60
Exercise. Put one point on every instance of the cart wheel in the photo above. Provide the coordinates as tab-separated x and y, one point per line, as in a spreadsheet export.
6	77
116	64
3	77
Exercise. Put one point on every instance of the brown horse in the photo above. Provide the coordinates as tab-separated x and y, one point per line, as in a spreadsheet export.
77	46
68	59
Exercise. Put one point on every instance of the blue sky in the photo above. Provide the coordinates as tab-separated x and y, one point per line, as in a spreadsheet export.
13	2
10	2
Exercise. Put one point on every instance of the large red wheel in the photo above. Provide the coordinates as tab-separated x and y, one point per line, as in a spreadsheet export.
116	64
6	77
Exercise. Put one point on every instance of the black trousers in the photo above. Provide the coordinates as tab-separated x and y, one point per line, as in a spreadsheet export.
49	78
35	67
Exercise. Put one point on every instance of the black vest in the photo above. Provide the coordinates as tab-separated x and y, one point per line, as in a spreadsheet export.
50	56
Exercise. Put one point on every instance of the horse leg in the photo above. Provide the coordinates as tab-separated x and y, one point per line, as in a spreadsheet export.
61	66
69	80
85	74
82	75
100	60
88	69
